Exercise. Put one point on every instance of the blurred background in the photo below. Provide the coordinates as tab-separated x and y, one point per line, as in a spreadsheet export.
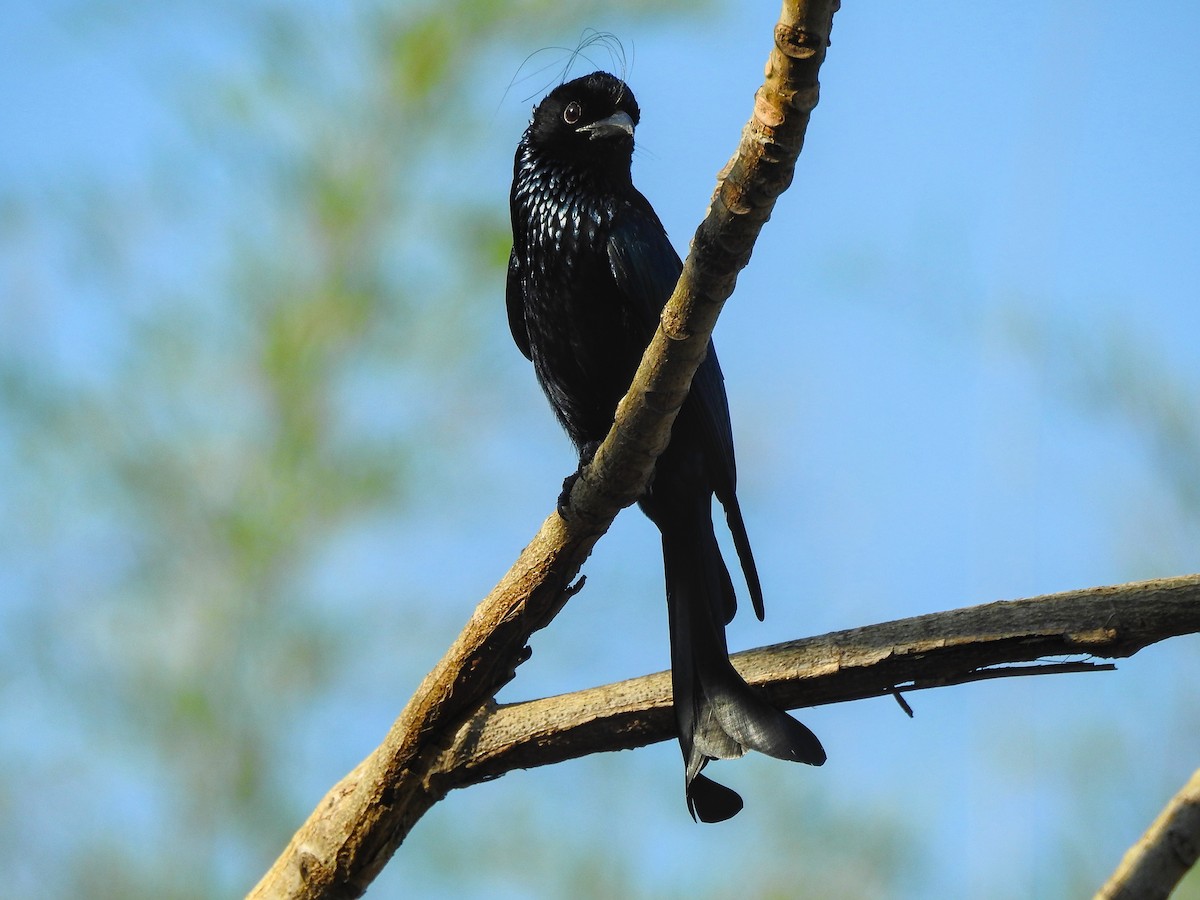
265	441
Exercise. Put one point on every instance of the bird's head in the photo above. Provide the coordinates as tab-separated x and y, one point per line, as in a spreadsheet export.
591	118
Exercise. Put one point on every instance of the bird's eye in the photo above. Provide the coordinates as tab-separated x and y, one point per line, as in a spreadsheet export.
572	113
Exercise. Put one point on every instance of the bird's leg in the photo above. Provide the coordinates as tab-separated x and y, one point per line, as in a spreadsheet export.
586	452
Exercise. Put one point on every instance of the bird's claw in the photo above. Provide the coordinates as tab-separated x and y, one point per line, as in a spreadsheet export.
564	499
586	453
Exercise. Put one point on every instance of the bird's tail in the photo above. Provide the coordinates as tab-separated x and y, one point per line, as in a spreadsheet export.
718	714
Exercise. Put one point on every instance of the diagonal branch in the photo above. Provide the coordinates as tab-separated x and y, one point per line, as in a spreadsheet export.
1154	866
363	819
934	650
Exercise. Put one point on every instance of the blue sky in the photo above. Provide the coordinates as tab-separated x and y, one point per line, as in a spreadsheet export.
971	176
989	199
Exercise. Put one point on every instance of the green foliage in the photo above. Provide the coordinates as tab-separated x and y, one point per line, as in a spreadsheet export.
198	384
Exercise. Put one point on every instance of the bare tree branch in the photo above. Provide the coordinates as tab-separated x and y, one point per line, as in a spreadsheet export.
363	819
1163	855
927	651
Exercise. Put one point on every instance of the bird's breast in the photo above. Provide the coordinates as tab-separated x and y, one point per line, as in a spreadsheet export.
577	328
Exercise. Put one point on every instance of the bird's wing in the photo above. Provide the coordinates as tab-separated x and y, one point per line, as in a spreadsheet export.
708	394
516	306
646	267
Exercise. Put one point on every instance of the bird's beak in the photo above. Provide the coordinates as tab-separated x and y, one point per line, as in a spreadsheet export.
615	125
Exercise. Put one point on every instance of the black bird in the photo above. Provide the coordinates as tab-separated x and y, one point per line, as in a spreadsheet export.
590	270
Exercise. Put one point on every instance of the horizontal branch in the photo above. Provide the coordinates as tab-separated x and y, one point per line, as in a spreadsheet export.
926	651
